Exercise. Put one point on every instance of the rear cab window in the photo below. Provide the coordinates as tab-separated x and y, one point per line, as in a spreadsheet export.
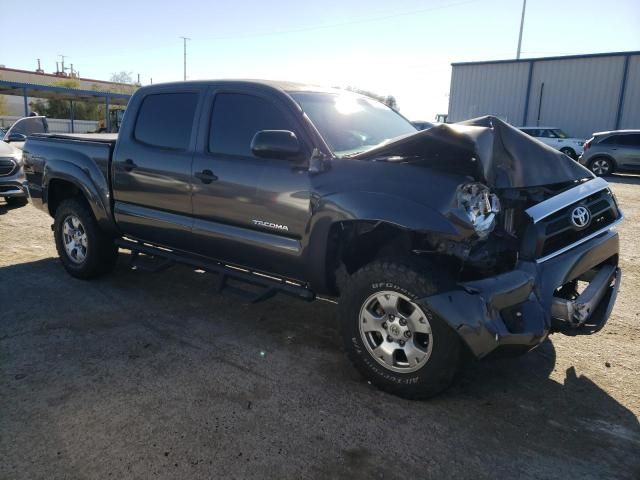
165	120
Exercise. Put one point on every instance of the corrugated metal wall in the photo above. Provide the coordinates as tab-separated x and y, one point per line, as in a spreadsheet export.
631	107
580	95
496	89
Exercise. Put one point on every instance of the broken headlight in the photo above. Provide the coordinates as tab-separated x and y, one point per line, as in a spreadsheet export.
480	205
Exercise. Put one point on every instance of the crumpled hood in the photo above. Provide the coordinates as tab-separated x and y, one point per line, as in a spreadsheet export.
487	148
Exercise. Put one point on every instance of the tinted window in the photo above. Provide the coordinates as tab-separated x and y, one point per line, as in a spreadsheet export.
631	140
612	140
166	119
236	118
30	125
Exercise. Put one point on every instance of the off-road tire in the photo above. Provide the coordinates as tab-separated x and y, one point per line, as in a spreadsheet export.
413	282
102	253
16	201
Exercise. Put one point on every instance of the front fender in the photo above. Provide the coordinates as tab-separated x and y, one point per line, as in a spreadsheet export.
366	206
88	179
399	211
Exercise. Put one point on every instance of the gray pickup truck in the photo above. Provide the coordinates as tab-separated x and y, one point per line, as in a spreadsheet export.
465	237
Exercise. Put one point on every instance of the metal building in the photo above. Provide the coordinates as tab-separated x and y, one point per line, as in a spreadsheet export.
581	94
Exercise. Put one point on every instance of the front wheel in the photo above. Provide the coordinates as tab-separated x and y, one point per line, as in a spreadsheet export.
84	249
395	343
569	152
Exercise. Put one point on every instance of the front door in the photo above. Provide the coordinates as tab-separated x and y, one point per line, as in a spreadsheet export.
247	210
151	168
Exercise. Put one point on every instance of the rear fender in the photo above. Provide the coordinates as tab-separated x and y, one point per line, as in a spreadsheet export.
88	179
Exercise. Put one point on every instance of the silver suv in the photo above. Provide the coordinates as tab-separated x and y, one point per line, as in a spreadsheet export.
616	150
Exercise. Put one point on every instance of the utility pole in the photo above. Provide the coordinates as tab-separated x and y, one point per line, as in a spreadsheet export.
62	63
524	7
184	41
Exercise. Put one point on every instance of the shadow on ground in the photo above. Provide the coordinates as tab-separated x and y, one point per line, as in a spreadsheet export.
152	375
624	178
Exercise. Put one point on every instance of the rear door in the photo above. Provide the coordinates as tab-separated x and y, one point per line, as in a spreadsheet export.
151	168
249	211
628	150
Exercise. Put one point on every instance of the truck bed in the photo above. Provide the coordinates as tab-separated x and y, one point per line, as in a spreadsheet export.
93	137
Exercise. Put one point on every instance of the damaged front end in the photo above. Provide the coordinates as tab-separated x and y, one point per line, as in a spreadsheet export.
536	250
564	276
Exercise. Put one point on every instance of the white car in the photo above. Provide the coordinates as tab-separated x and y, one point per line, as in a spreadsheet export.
557	139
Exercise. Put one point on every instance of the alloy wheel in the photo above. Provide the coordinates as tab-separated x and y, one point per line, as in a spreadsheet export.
395	331
600	167
75	239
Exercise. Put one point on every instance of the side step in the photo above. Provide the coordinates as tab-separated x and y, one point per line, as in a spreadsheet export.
264	287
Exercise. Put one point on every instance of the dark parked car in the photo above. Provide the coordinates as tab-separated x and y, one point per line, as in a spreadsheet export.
616	150
461	237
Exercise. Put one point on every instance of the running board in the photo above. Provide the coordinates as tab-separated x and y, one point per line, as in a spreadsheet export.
264	287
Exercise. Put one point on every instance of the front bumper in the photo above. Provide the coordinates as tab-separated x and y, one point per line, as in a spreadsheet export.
522	307
13	185
12	188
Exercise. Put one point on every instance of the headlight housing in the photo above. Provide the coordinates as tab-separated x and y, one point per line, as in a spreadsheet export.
480	206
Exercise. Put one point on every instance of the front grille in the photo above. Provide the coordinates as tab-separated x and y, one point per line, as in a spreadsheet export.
7	166
558	231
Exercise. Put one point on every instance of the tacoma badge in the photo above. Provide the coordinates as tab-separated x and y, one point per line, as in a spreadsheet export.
276	226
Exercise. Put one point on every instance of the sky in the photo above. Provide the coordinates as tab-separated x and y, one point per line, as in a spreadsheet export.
402	48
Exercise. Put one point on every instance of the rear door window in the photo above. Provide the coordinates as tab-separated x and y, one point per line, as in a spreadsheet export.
630	140
612	140
237	117
165	120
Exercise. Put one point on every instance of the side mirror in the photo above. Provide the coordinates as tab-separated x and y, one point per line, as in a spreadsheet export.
16	137
279	144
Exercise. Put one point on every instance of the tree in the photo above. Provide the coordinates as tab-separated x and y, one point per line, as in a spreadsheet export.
61	108
3	105
388	100
121	77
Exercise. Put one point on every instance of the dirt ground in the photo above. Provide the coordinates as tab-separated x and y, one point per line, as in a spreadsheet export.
142	375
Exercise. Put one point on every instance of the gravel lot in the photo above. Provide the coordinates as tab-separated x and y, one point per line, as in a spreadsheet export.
141	375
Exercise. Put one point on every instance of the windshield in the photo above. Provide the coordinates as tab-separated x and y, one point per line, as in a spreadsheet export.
352	123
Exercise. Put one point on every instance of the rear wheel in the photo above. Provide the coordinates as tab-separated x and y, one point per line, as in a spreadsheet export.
601	166
400	346
84	249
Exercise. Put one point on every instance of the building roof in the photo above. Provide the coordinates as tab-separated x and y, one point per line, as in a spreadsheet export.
59	77
8	87
544	59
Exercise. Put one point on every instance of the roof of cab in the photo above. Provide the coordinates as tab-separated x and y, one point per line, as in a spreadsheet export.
279	85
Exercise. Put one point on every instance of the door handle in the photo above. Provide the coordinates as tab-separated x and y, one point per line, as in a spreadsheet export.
128	165
206	176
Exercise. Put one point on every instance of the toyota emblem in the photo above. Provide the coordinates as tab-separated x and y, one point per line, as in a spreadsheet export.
580	217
